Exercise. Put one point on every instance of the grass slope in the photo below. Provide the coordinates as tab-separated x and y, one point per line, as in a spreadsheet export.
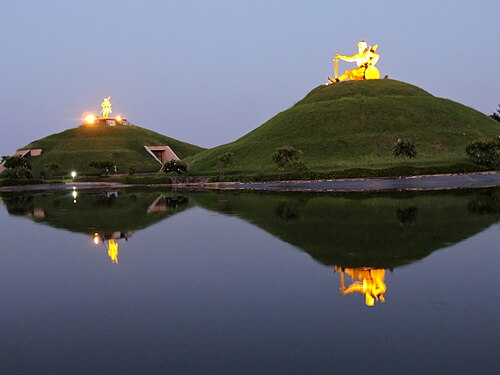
354	124
73	149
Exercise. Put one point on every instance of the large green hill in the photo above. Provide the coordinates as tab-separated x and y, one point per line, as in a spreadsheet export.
73	149
354	125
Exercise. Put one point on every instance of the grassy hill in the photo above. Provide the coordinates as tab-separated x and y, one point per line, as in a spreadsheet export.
354	125
73	149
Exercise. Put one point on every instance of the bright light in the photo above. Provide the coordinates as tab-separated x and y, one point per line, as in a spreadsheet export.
90	119
119	118
96	239
73	175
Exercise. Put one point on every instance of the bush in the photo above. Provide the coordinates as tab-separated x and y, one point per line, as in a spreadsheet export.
483	152
17	168
175	166
17	162
17	173
105	166
287	157
404	148
496	115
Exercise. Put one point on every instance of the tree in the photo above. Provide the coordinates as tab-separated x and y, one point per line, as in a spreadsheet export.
287	157
175	166
51	167
404	148
496	115
105	166
17	162
225	159
17	168
484	152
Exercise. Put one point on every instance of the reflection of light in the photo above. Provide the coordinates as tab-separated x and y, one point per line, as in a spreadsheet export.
74	194
96	239
90	119
366	280
113	251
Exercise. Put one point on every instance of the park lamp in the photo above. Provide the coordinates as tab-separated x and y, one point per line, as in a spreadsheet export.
90	119
73	174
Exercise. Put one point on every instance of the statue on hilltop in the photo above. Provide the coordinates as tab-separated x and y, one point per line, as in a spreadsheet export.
106	107
366	59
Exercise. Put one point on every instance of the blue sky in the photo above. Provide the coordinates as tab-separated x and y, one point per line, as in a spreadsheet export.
209	72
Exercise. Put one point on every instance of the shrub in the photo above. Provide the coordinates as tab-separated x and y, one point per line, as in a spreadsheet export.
131	170
105	166
51	167
175	166
17	173
404	148
483	152
496	115
287	157
17	162
18	168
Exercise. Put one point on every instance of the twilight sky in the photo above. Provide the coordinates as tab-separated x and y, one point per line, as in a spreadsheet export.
207	72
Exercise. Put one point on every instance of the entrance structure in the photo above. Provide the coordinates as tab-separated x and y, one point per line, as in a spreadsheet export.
161	154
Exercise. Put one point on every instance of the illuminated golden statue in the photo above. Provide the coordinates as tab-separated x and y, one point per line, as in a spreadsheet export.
366	280
365	59
106	107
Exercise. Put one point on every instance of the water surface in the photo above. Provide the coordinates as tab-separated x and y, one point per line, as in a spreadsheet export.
251	283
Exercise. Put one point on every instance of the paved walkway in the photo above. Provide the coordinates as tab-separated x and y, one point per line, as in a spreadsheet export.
434	182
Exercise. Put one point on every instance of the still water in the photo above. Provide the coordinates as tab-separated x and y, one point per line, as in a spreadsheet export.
152	282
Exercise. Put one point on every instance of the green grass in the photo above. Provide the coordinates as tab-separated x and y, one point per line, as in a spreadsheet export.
74	148
353	125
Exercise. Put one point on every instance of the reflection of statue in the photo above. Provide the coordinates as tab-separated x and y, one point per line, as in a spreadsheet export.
113	251
366	280
365	59
106	107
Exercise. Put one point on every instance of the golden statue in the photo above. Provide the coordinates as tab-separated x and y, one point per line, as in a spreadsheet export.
366	280
365	59
106	107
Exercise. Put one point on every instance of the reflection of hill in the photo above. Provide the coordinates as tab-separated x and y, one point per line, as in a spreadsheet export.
383	231
101	212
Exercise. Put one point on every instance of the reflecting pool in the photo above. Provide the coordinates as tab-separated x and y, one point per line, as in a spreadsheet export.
145	281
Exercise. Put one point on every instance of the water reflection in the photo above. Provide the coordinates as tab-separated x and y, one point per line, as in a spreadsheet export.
106	217
365	280
348	231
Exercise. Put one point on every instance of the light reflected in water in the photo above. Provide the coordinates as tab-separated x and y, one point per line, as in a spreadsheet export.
365	280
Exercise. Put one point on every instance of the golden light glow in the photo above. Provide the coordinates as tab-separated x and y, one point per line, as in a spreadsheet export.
366	280
113	251
106	107
90	119
118	118
366	59
96	239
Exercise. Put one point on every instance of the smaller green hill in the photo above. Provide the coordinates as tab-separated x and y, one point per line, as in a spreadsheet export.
73	149
354	125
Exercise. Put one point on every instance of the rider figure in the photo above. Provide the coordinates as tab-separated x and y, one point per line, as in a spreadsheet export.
366	57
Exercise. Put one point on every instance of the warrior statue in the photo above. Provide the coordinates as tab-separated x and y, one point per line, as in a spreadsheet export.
365	59
106	107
